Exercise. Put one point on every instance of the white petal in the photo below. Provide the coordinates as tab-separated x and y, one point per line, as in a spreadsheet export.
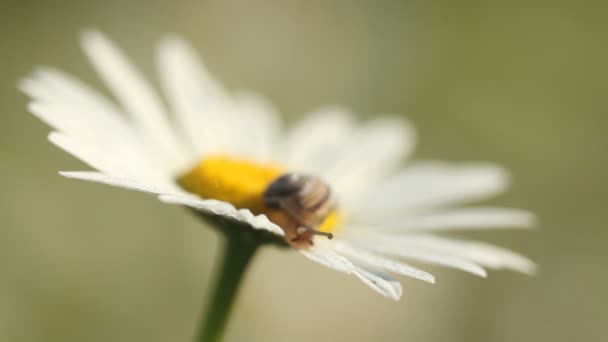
326	257
257	127
380	262
379	282
373	152
199	102
317	140
399	246
426	185
93	155
135	94
83	115
121	182
483	253
224	209
171	194
245	125
79	108
209	115
110	158
323	254
459	219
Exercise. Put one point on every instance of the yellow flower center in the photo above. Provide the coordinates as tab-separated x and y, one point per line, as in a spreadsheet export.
242	183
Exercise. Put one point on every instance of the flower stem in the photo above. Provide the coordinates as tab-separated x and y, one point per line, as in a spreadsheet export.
238	251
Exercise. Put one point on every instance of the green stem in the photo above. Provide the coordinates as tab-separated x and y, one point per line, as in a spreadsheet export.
238	252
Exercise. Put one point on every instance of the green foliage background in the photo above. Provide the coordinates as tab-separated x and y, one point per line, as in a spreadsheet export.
521	83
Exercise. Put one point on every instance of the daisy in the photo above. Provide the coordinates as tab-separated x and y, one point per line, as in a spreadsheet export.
333	189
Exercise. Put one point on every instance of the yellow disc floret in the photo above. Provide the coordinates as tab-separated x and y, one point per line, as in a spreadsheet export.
242	183
237	181
331	222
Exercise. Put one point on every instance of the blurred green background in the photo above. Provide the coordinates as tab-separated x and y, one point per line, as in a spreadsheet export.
521	83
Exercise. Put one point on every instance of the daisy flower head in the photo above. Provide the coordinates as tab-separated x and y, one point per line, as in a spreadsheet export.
334	189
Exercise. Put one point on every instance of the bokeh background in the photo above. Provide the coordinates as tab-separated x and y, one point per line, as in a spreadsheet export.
521	83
